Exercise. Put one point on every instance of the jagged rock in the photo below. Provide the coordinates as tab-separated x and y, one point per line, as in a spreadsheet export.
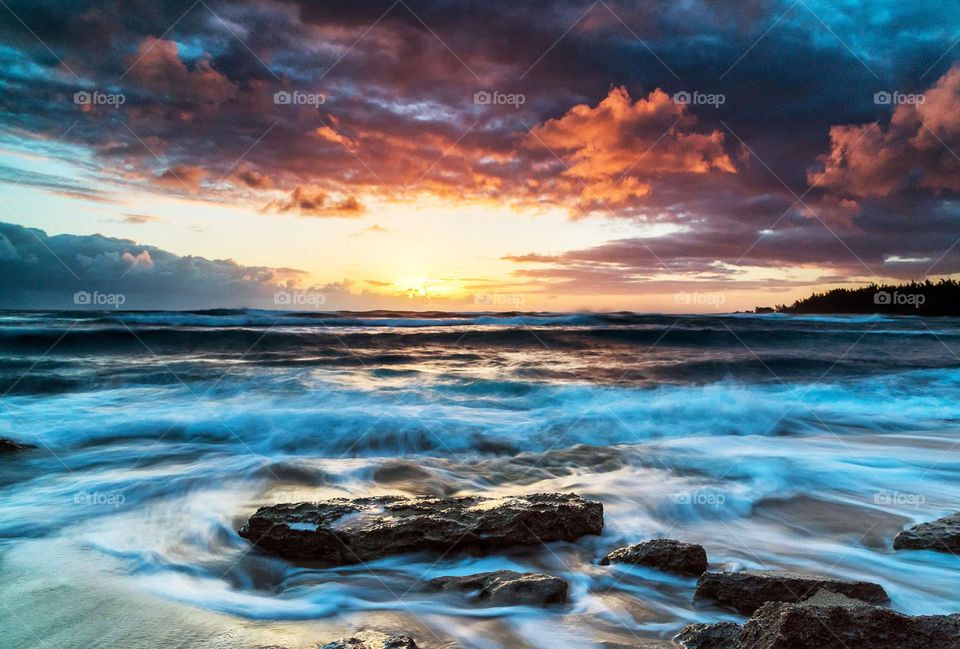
942	535
665	554
803	626
722	635
506	587
748	590
825	620
10	446
372	640
349	531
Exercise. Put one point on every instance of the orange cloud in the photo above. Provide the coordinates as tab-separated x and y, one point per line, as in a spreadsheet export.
916	150
618	148
254	179
183	177
157	66
311	200
327	133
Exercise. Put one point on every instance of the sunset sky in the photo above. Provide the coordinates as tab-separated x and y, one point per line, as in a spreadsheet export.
475	155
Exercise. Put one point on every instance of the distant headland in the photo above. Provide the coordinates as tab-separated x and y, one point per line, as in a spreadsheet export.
915	298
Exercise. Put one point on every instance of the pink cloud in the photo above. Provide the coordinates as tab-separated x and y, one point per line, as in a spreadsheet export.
183	177
915	151
157	66
140	261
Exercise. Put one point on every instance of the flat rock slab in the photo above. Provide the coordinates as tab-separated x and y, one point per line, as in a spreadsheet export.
506	587
344	531
942	535
664	554
372	640
10	446
748	590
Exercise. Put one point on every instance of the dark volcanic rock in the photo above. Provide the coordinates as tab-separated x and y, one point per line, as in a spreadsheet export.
828	598
826	620
942	535
349	531
373	640
506	587
722	635
665	554
806	626
10	446
748	590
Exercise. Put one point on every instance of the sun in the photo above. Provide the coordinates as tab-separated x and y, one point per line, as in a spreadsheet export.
422	287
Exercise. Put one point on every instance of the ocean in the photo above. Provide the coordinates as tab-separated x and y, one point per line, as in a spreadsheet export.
775	441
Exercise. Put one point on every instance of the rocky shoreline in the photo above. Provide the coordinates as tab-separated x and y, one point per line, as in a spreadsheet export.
788	610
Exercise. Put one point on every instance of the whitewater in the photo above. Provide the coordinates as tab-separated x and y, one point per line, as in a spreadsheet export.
775	441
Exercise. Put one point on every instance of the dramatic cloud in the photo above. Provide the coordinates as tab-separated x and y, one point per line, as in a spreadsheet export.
158	68
618	147
918	150
318	109
67	272
314	201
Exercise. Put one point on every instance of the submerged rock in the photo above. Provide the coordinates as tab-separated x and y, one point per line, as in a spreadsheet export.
826	620
810	517
748	590
942	535
10	446
350	531
410	477
506	587
372	640
665	554
722	635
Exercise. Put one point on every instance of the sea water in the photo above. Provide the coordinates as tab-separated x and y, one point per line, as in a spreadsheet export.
775	441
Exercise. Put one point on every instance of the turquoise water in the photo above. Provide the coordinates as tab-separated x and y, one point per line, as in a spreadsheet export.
775	441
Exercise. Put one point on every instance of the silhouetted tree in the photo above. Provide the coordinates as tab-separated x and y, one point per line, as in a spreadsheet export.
916	298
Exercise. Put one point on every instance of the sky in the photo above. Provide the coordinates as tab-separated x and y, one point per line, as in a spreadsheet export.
473	155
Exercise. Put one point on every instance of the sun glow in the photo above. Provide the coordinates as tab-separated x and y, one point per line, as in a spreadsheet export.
427	288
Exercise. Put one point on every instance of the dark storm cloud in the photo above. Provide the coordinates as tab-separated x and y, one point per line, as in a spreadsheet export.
380	102
67	271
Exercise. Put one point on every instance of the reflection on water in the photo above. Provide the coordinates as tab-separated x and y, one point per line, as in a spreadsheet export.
775	442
